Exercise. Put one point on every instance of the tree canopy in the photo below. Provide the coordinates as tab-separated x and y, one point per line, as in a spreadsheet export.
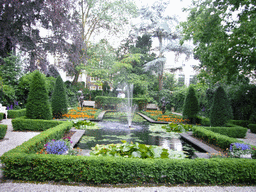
223	33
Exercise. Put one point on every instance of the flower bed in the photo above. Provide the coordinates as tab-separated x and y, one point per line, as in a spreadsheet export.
167	117
85	113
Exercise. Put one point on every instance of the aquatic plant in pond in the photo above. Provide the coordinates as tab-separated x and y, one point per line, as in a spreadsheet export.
135	150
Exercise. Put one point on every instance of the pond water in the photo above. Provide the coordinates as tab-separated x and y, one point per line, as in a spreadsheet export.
107	132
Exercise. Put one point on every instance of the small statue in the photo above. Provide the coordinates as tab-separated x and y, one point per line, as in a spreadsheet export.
163	106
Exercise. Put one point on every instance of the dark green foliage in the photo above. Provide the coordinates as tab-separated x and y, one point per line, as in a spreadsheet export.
252	127
216	139
1	116
235	132
3	129
242	123
38	106
16	113
253	118
59	99
112	102
221	111
191	107
21	124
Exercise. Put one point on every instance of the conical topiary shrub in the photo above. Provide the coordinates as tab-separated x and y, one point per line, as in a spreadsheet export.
190	108
221	111
38	105
59	99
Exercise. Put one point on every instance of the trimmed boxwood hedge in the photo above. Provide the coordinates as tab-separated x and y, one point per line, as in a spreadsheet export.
1	116
106	102
235	132
217	139
3	129
252	127
16	113
22	163
242	123
21	124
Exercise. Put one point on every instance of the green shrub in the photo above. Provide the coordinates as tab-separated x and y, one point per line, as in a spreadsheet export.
112	102
235	132
221	111
16	113
242	123
1	116
252	127
203	121
38	106
191	106
253	118
216	139
21	124
3	129
59	99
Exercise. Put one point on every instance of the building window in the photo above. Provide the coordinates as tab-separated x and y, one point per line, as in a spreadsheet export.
100	88
181	80
92	87
93	79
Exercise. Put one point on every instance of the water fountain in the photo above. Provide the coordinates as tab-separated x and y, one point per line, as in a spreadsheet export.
130	108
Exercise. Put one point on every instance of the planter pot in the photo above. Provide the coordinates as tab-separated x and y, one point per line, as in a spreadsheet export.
245	156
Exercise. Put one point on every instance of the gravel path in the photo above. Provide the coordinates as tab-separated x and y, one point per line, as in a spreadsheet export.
13	139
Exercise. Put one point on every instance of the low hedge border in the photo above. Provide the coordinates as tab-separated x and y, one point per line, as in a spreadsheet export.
211	137
16	113
22	124
242	123
3	129
252	127
22	163
1	116
235	132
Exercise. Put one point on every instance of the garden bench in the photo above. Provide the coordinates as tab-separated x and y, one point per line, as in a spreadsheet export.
152	106
89	104
3	110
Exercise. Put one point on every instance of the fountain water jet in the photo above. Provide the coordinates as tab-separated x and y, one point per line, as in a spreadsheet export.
128	106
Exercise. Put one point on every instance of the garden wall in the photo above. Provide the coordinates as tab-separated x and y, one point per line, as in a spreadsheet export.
23	163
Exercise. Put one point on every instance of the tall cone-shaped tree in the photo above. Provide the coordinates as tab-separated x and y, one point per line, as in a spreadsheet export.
191	108
59	99
38	105
221	111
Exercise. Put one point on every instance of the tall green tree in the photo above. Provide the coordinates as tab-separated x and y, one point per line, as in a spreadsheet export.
223	33
38	105
163	28
191	107
95	17
221	111
59	99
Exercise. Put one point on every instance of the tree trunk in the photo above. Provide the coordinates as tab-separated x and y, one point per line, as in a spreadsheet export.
75	80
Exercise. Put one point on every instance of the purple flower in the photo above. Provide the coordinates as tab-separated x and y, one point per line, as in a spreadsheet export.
240	146
11	107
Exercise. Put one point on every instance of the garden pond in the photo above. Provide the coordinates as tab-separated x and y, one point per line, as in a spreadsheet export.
112	132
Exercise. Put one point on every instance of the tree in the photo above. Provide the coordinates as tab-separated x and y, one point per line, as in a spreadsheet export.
154	22
38	105
23	24
224	44
59	99
95	17
191	107
221	111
